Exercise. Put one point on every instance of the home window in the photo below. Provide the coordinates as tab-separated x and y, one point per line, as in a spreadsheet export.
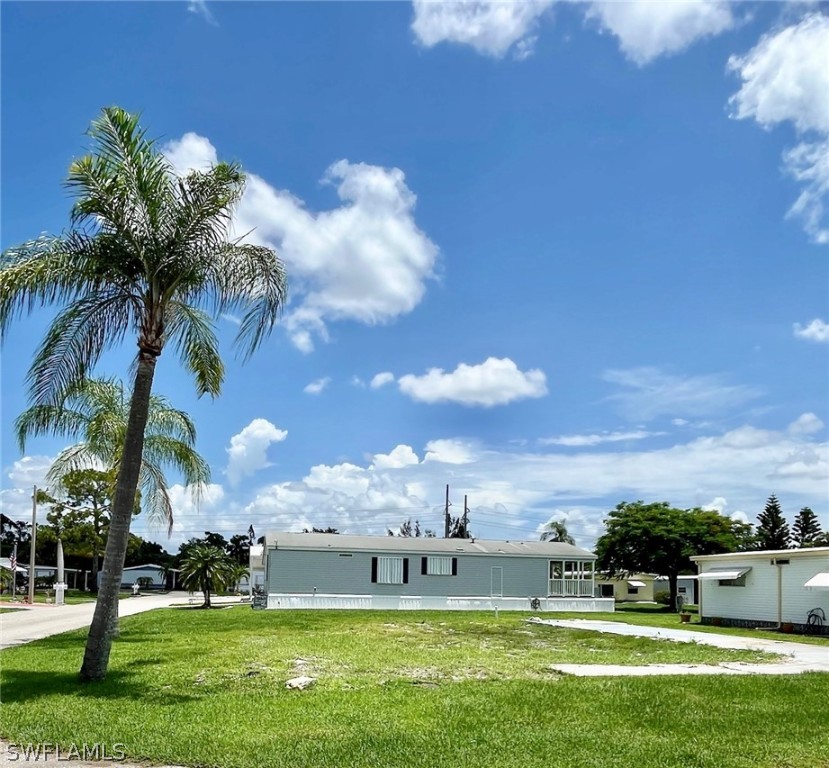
726	577
390	570
438	566
633	590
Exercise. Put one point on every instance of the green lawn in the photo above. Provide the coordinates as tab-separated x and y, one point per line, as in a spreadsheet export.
401	689
71	597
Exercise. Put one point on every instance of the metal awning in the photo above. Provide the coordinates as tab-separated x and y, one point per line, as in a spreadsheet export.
723	574
636	583
818	581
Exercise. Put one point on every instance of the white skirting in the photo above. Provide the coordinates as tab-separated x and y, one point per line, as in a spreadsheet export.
417	603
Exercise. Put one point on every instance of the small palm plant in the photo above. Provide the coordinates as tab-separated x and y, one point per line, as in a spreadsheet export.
207	569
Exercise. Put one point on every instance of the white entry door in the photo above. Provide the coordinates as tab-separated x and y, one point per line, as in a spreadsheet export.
496	586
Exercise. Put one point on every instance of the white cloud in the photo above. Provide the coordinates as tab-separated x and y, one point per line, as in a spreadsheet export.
191	153
649	392
315	387
511	493
247	452
806	424
365	261
647	29
401	456
30	471
381	379
817	330
597	439
491	28
785	78
199	7
496	381
808	163
450	451
356	381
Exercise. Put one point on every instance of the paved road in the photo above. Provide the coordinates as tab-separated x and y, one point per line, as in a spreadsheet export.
39	621
796	657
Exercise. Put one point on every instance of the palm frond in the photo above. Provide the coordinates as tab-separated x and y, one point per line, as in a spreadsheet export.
161	450
155	498
71	459
252	279
165	420
48	419
191	331
38	273
74	343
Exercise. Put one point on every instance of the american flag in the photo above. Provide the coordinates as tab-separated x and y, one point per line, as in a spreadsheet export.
13	561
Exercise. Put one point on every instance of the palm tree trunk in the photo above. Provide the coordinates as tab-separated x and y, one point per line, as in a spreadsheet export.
99	640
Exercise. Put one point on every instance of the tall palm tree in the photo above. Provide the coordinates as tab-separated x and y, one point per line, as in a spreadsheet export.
147	254
207	569
95	412
556	530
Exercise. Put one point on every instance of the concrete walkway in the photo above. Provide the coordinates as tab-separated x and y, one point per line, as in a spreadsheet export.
37	621
797	657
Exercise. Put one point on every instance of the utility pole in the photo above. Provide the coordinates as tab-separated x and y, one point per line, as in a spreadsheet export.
32	548
446	515
465	518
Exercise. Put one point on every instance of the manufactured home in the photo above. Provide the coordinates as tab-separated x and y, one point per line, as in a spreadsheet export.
318	570
787	588
637	587
160	577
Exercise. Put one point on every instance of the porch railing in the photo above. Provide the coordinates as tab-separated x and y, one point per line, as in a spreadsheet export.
571	588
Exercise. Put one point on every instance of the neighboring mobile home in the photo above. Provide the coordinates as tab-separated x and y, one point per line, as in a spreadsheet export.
638	587
159	577
318	570
771	588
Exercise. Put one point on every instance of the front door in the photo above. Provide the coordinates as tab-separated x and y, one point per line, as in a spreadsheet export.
496	582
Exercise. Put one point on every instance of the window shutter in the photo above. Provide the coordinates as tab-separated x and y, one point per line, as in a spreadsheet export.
454	566
405	570
424	564
373	570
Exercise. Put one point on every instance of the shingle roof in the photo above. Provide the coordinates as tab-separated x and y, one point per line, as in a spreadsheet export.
422	545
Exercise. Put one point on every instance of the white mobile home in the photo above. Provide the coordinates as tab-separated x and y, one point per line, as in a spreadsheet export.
637	587
766	589
318	570
160	578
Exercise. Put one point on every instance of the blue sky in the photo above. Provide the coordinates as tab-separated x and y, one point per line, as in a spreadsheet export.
557	255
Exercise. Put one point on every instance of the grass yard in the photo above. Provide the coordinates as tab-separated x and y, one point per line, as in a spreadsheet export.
71	597
427	689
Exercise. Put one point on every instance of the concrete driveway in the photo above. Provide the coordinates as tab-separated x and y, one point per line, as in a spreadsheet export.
795	657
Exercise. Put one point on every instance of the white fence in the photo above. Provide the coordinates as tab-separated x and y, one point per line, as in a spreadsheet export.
418	603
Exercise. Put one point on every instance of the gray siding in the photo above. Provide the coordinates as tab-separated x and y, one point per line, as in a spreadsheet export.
299	571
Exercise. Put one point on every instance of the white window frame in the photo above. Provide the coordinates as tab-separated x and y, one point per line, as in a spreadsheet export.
389	570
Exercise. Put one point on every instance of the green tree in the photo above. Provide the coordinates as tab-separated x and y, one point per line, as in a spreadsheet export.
772	528
81	515
556	530
148	255
207	569
806	528
238	549
657	538
95	412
